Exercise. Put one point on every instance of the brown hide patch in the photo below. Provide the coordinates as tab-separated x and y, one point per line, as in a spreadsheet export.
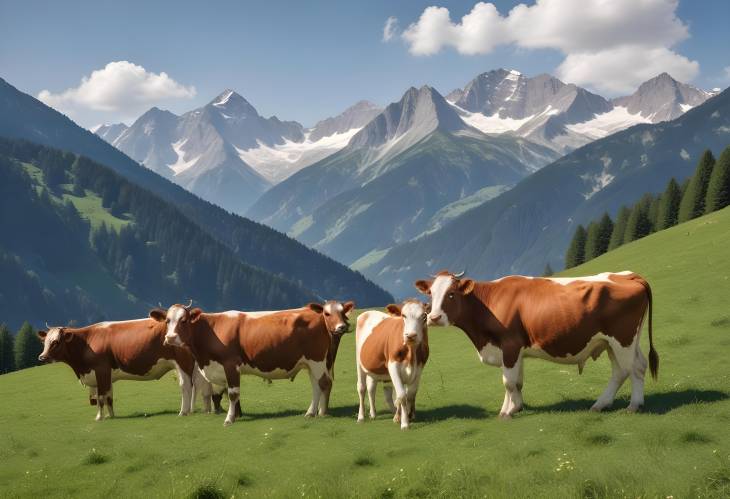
325	383
274	341
517	312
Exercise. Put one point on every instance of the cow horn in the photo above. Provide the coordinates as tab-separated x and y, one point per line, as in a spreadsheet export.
47	326
460	274
187	307
159	304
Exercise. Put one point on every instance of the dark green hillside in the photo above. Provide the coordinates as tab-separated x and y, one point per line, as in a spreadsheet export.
23	117
81	243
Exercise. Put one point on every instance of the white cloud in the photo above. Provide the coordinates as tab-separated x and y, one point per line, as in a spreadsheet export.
121	90
390	30
626	33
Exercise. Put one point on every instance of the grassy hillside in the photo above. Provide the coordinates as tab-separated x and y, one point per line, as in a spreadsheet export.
679	446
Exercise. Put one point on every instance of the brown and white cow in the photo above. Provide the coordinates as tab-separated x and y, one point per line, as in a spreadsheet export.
392	348
272	345
103	353
564	320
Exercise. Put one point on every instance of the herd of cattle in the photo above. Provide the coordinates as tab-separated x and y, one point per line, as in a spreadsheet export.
565	320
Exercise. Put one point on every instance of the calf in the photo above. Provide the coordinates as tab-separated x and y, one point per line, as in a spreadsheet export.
272	345
103	353
564	320
392	348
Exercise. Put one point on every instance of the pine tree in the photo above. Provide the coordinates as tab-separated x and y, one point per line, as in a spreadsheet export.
653	213
718	190
548	270
638	224
669	205
693	200
576	251
7	356
619	228
27	347
599	237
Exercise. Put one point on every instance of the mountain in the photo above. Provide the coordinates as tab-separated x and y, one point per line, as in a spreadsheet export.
662	99
228	154
564	116
109	132
413	159
277	162
91	245
22	116
523	229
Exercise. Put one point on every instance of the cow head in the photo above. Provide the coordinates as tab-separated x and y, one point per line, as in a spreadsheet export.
448	294
414	315
55	341
178	319
335	315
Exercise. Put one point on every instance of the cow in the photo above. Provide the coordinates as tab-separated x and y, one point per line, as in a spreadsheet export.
392	348
106	352
272	345
564	320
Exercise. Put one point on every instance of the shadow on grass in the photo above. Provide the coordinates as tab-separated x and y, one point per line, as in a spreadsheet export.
654	403
141	415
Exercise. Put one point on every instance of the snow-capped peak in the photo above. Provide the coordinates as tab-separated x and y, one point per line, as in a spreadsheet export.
223	98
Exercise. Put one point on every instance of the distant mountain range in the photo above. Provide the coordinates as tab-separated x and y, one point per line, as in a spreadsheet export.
225	152
24	117
523	229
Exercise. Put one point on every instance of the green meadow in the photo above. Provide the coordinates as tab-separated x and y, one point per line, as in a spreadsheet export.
678	446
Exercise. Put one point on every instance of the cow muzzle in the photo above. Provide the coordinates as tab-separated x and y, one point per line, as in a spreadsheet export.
411	337
341	329
43	358
173	340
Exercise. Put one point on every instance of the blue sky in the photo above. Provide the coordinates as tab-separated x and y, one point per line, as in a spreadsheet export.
305	61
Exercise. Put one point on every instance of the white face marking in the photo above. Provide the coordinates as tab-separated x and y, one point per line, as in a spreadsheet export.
338	309
174	315
53	337
439	287
414	322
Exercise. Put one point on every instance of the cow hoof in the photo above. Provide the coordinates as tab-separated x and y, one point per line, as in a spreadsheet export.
633	408
309	415
182	413
596	408
505	416
360	419
404	427
227	423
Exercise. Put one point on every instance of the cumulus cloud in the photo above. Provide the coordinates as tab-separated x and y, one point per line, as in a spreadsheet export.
390	30
621	41
120	90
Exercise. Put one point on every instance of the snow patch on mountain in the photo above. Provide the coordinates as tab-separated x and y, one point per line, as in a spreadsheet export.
604	124
181	165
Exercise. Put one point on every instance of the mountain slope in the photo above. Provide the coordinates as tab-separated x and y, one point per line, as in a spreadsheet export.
525	228
98	246
22	116
110	133
351	203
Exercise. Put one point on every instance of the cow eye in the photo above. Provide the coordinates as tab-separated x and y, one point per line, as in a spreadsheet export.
424	317
451	296
327	314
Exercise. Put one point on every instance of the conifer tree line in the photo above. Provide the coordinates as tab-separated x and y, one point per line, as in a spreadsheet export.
707	190
20	351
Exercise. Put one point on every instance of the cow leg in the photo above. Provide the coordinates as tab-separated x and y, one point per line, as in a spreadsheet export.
388	394
412	391
110	401
618	376
186	388
401	400
233	380
372	386
202	386
361	393
92	395
512	379
103	388
217	397
316	371
638	370
325	383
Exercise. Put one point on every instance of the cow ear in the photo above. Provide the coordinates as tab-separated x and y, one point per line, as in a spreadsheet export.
393	310
316	307
42	335
194	314
466	286
348	307
423	286
158	314
67	337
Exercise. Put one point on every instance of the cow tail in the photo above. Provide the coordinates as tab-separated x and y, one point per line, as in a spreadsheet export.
653	355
